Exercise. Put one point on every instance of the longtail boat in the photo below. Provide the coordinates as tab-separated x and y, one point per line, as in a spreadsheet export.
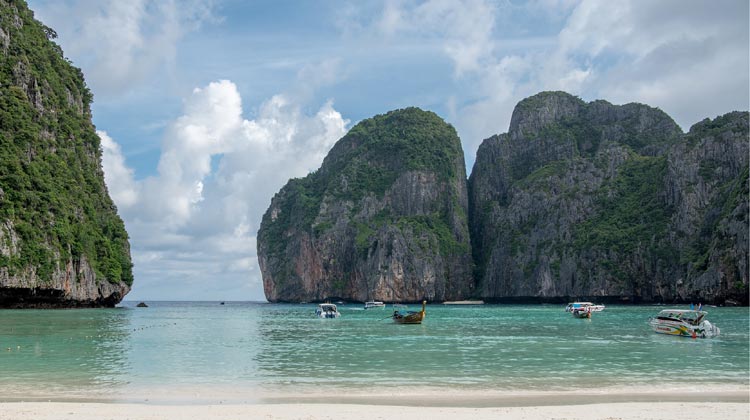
584	312
409	317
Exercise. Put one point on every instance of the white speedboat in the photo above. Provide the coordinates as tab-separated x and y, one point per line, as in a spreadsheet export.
574	306
685	323
327	310
371	304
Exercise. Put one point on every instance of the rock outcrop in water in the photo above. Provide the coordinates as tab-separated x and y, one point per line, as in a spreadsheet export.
62	243
611	202
577	200
385	218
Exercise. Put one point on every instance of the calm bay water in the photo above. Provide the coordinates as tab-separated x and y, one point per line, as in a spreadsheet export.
194	347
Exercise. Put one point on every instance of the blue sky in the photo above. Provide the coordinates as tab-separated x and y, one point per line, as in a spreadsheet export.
207	107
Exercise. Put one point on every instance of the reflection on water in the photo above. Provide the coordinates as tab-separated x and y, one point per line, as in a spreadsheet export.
191	348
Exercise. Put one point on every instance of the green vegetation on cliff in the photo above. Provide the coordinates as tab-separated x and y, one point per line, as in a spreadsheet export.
629	209
368	160
594	199
388	202
408	140
52	192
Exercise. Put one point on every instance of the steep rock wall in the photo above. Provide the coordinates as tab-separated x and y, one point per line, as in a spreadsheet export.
62	243
383	218
610	202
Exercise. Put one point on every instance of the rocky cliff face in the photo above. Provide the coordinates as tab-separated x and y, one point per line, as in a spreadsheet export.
592	200
385	218
61	241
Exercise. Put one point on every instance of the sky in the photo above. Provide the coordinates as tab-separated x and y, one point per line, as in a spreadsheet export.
206	108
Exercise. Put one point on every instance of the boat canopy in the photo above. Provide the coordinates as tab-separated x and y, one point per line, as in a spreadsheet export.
327	307
682	314
579	304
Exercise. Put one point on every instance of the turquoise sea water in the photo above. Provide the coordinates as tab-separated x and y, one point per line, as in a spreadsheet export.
193	348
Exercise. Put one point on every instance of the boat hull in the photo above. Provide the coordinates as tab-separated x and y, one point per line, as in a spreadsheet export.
409	317
582	305
704	330
327	310
374	305
581	313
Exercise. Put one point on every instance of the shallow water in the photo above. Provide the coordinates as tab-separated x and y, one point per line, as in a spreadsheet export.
258	347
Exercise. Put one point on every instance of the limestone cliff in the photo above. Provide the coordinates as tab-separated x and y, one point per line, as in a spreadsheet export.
593	200
61	241
385	218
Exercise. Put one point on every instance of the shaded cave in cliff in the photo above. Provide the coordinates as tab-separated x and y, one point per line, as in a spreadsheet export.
39	298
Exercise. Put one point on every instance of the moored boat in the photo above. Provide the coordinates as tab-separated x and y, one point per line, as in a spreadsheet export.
577	305
371	304
327	310
582	312
464	302
409	317
684	323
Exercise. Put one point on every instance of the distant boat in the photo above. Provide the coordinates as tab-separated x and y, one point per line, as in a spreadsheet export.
464	302
577	305
327	310
685	323
409	317
582	312
371	304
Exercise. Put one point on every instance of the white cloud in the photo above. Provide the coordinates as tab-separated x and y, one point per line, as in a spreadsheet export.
118	177
121	43
464	27
196	220
210	125
691	60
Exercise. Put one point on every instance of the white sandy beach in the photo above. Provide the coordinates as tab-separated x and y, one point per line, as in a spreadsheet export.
130	411
717	402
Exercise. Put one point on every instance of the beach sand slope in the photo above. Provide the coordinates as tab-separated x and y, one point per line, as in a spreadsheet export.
130	411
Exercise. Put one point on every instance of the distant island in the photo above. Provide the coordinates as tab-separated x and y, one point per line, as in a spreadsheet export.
587	200
62	243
